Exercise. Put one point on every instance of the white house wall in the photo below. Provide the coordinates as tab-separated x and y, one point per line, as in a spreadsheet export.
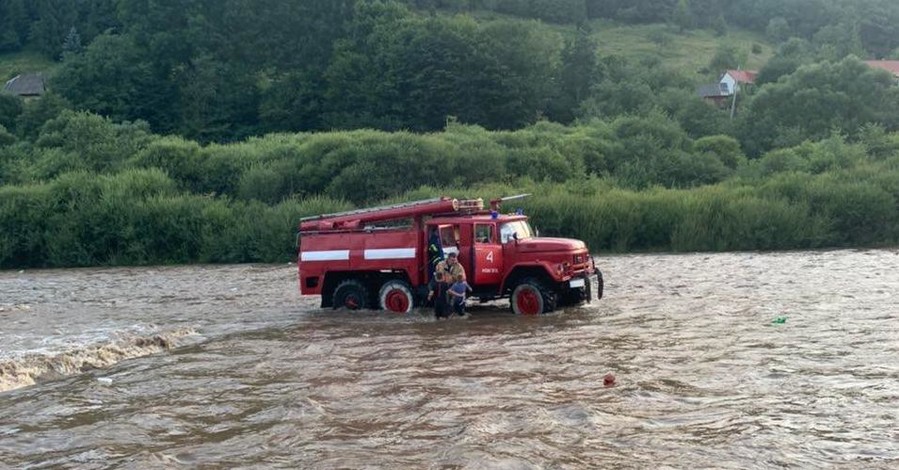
731	83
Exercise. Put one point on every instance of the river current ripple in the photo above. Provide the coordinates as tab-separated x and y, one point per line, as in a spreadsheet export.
739	360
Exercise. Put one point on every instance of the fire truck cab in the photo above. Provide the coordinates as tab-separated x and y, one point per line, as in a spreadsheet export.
377	257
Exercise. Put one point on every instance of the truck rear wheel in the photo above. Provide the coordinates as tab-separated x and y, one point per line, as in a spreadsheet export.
532	298
396	297
350	294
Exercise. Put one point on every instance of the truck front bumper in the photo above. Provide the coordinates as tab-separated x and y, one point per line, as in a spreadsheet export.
589	285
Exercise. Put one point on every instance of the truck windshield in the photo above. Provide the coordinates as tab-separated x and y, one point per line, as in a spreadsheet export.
519	228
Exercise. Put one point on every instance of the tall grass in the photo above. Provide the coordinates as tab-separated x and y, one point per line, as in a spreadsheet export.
91	192
137	217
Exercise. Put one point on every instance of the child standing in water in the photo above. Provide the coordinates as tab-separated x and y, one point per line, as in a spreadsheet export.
457	294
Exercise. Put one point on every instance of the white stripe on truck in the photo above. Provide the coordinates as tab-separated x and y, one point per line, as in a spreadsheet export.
390	253
331	255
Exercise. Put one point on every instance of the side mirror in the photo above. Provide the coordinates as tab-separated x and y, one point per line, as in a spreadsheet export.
515	237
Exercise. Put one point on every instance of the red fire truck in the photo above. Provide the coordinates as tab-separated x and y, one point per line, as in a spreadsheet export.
377	257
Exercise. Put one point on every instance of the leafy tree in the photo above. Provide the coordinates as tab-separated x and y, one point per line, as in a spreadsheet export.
6	138
778	29
719	25
816	99
654	149
96	17
114	78
13	25
218	100
838	41
356	82
879	27
558	11
723	147
72	44
789	56
707	13
697	117
726	57
682	17
635	88
293	102
36	112
878	143
579	71
524	59
57	17
98	144
660	38
161	28
10	108
632	11
406	72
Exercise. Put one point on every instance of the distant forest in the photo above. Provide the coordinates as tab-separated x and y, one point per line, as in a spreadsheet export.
222	70
180	131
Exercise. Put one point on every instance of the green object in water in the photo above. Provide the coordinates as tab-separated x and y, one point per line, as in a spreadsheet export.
779	320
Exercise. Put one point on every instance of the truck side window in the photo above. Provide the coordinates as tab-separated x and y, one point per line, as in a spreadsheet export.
506	232
447	236
483	233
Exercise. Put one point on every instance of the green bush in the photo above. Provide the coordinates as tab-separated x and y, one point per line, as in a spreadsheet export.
723	147
97	143
23	216
6	138
860	213
85	191
178	158
718	220
10	108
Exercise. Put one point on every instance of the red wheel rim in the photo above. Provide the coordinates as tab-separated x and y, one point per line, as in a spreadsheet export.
351	302
528	301
396	301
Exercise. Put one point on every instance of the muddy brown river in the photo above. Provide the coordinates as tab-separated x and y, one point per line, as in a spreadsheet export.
741	360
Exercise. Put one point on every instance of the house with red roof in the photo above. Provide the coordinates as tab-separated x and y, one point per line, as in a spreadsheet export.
723	90
713	92
732	80
891	66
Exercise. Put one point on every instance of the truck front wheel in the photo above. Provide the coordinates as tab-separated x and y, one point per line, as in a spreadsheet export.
350	294
532	298
396	297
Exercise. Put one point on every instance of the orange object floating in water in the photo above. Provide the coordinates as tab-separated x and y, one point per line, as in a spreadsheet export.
608	380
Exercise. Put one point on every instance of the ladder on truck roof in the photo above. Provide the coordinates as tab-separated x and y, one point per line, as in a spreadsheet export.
352	218
369	210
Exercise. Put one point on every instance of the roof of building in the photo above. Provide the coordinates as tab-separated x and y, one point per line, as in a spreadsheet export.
712	90
26	84
891	66
742	76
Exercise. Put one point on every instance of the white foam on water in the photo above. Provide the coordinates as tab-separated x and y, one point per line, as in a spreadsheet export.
31	368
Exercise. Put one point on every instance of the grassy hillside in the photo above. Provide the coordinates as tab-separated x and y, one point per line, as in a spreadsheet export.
688	52
19	62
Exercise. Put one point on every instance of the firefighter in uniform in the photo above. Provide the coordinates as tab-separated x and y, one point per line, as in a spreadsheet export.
451	266
444	274
435	253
